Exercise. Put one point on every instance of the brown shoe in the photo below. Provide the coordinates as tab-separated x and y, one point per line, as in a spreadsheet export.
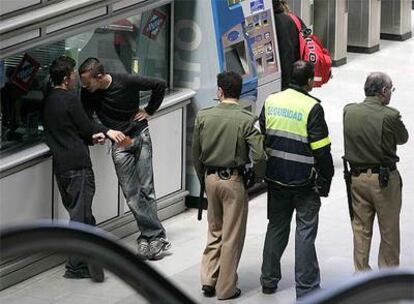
236	295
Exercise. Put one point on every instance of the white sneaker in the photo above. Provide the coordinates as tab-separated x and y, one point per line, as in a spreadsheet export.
158	247
143	248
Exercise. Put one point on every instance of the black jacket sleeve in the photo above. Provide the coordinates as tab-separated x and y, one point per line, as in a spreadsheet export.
157	88
288	43
318	131
80	119
262	121
89	109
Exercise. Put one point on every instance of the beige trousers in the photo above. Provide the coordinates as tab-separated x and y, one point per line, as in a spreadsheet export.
369	199
227	217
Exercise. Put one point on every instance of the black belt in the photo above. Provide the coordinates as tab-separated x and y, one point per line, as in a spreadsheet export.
375	170
224	173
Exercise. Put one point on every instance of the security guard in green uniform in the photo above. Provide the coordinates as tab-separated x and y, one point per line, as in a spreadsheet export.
371	132
223	137
299	170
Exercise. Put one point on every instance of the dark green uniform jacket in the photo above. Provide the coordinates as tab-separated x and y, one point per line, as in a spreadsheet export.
371	133
223	136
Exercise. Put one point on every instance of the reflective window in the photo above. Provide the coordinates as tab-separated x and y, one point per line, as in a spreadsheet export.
138	45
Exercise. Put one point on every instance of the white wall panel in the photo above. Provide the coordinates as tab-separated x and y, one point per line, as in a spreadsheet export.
78	19
27	194
8	6
19	38
125	3
166	135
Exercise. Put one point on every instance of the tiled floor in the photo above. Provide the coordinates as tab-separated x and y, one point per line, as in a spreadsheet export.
334	242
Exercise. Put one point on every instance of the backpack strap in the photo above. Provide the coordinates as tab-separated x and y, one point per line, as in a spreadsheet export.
296	20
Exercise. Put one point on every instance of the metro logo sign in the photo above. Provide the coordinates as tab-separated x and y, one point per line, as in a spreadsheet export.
154	24
25	72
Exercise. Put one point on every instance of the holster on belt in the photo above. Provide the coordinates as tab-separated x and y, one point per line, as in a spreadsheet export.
383	177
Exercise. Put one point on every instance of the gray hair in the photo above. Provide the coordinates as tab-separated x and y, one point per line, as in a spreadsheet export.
376	82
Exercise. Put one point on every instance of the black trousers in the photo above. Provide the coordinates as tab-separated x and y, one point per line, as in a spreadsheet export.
282	202
77	188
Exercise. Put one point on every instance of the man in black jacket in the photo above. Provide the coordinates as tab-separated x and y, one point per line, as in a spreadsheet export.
68	132
287	40
115	100
299	170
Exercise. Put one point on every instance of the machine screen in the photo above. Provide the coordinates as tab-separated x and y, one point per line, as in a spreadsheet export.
233	2
236	58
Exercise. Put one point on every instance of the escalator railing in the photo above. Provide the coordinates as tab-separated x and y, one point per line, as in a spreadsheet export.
392	285
385	286
95	246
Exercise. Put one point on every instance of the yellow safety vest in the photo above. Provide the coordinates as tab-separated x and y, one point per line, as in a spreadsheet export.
291	161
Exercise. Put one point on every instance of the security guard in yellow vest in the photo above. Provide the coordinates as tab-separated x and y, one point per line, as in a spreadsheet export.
299	170
222	139
371	132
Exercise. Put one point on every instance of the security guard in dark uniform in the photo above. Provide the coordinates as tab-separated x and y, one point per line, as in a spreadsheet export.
371	132
223	137
299	170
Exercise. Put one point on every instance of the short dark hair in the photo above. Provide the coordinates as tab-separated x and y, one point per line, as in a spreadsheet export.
301	73
376	82
60	68
92	65
231	84
280	6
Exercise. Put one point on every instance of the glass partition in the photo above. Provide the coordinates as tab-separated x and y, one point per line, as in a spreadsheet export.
139	44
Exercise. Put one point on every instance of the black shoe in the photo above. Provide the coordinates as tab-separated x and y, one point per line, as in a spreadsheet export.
235	296
269	290
208	291
76	275
96	273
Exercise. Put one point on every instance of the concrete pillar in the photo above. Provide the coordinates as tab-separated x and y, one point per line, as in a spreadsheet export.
364	22
396	19
331	26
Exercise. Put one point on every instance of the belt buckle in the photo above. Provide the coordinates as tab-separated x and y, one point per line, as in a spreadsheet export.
224	174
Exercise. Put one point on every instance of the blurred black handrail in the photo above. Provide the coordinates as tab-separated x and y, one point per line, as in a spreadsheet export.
387	284
94	245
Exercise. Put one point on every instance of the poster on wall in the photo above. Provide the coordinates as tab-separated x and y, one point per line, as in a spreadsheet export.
154	24
25	72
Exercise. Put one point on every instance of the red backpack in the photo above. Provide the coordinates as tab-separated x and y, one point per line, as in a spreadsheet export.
311	49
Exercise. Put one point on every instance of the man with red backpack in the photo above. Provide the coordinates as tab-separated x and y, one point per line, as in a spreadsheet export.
296	41
287	40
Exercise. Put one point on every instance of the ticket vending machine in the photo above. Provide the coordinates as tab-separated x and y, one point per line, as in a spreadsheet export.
246	43
212	36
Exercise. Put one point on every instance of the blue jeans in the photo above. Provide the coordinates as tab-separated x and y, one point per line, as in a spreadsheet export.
133	165
77	188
